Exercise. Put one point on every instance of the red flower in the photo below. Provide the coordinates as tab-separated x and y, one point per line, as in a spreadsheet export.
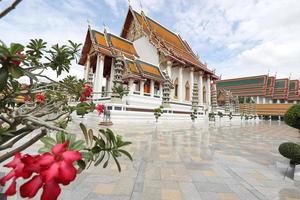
51	170
100	108
40	98
19	59
87	93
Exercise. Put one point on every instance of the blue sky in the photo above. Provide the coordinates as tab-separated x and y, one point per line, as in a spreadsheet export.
237	38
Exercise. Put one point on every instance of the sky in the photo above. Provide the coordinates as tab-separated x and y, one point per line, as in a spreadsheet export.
237	38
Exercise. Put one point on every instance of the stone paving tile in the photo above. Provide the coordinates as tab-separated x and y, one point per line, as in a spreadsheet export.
213	161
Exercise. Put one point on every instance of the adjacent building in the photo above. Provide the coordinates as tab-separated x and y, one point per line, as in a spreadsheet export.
263	89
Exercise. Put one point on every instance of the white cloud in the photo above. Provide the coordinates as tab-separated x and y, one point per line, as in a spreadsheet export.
238	38
266	32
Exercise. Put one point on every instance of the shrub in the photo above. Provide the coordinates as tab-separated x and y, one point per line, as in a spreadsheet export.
291	151
292	117
158	112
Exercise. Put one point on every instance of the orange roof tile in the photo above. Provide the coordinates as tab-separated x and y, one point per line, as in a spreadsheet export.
100	39
122	45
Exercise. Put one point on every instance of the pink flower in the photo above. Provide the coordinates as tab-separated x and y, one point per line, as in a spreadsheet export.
87	93
100	108
40	98
50	169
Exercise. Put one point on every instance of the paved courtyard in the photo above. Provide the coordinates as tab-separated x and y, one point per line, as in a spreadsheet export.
204	161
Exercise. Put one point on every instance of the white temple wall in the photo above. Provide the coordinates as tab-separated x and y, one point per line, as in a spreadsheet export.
146	51
174	75
185	78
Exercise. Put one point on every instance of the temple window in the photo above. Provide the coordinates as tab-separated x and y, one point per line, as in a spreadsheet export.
156	88
187	91
204	94
136	85
147	86
176	88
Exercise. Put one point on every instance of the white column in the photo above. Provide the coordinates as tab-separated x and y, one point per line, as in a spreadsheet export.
208	93
264	100
278	101
191	83
152	88
180	85
161	89
295	102
169	68
142	88
257	99
200	88
131	86
111	77
99	75
87	68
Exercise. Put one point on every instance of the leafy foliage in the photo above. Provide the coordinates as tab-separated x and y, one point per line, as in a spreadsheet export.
291	151
194	115
211	116
292	116
102	147
158	112
120	90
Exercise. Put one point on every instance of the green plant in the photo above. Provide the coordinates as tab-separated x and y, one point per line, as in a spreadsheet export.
220	114
158	112
194	115
211	116
292	116
291	151
120	90
230	116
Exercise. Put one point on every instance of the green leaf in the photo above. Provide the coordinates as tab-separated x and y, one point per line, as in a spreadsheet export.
44	150
77	145
118	164
60	137
84	131
81	164
96	150
3	78
90	136
125	144
48	141
15	48
100	159
106	163
15	71
126	154
71	138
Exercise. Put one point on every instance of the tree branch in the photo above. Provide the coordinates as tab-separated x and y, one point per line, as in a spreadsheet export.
44	124
55	118
9	8
24	146
13	141
5	120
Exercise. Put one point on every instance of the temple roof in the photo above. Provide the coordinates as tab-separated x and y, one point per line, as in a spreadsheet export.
108	44
267	86
143	70
247	86
166	41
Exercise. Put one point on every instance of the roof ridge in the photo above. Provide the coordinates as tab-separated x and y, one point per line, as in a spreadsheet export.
167	29
119	37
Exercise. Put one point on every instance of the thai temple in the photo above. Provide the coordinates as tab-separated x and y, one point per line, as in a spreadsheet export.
155	65
263	89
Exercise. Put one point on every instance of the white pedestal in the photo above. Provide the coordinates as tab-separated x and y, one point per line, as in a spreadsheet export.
297	173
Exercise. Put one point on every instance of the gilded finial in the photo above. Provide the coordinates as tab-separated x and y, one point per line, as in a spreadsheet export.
88	23
141	5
